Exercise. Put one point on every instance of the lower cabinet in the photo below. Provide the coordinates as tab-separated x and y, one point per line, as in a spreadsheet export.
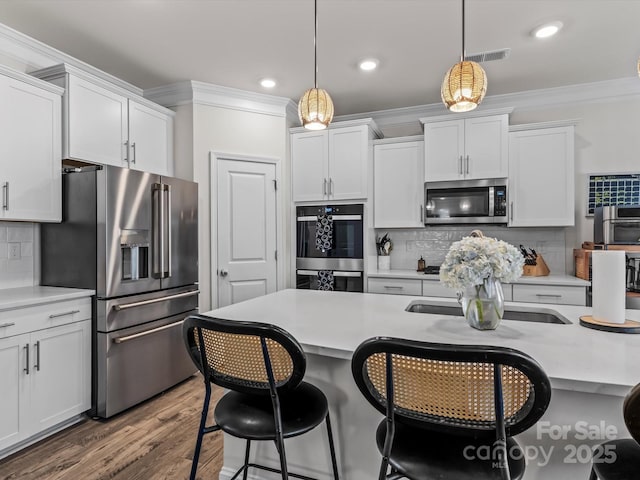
554	294
433	288
395	286
46	373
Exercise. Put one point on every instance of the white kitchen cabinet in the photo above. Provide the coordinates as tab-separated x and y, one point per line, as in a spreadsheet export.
332	164
554	294
107	124
398	193
30	126
466	148
45	368
541	177
395	286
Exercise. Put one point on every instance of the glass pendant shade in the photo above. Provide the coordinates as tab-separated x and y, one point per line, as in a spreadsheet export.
315	109
464	86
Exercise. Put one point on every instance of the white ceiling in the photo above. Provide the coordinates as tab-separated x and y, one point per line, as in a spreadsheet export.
235	43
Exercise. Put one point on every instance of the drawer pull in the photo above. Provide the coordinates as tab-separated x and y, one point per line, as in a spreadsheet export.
555	295
26	368
8	324
71	312
395	287
147	332
125	306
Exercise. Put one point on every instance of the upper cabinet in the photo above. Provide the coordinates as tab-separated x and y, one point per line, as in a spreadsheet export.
466	148
541	176
398	170
332	164
30	151
104	123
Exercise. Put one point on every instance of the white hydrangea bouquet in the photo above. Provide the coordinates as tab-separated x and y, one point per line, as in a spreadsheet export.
474	267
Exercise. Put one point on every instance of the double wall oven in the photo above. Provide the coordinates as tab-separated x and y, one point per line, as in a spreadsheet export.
329	247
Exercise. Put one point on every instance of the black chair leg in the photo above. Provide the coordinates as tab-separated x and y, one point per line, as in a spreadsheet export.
201	430
593	475
283	458
334	462
246	460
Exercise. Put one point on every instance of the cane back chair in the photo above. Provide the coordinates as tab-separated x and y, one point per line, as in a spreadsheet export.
262	366
446	406
620	459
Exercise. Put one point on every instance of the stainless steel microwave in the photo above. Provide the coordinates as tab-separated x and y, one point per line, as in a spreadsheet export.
466	202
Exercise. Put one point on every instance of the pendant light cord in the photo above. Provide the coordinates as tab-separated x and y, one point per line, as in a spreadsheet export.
463	52
315	43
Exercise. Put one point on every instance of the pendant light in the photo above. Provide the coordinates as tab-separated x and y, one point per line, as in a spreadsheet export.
315	108
465	84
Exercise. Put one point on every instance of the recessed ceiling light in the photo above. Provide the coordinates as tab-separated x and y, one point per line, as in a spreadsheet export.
368	64
547	30
268	82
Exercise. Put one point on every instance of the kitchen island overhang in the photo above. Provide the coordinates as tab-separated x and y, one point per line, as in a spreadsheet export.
590	372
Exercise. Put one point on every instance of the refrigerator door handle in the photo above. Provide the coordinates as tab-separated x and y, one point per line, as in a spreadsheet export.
169	230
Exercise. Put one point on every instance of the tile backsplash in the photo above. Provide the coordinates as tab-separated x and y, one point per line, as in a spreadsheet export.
433	243
17	249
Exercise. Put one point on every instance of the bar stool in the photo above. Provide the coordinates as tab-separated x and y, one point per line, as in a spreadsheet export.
620	459
450	410
262	366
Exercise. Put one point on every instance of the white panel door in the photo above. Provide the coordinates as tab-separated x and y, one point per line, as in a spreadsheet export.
150	134
541	177
31	154
14	401
486	147
348	155
60	363
246	246
97	124
398	192
310	165
444	150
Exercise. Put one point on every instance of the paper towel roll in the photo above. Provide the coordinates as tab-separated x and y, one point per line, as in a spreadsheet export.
608	285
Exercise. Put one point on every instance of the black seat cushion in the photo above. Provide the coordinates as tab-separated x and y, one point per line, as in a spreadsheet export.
626	465
424	455
251	416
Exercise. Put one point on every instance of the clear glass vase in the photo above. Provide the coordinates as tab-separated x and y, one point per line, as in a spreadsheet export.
483	305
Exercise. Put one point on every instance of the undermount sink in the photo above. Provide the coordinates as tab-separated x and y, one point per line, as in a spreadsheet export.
523	314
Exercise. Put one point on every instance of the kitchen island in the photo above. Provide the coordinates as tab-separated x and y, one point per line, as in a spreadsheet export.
590	373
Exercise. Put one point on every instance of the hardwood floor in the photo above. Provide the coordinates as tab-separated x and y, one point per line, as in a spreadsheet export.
154	440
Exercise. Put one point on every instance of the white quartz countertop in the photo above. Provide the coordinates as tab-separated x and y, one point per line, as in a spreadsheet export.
11	298
553	279
334	323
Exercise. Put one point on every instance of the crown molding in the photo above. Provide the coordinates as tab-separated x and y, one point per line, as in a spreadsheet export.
472	114
37	55
202	93
36	82
571	122
585	93
356	122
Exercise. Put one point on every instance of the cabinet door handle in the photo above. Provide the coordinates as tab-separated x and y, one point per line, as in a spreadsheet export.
70	312
36	347
126	153
467	169
133	152
460	165
421	217
330	186
324	187
511	211
5	196
26	368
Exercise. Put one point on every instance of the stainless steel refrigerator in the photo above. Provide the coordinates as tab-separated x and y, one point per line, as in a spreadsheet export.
133	237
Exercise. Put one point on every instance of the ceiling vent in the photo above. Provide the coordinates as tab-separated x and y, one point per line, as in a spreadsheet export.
488	56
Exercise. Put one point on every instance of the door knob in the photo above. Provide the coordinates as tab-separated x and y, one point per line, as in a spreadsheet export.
224	272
